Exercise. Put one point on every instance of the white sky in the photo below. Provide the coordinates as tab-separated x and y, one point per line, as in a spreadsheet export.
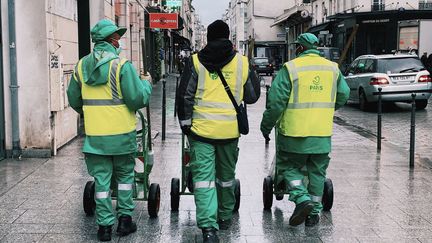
210	10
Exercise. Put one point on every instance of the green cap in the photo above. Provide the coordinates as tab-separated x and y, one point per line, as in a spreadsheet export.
105	28
308	40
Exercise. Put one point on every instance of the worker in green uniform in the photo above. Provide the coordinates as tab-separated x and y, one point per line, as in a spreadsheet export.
107	90
301	103
208	117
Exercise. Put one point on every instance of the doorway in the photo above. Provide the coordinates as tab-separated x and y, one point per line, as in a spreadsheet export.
84	45
2	117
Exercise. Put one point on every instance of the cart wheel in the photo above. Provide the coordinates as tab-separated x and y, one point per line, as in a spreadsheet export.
279	197
268	192
89	199
327	199
175	194
153	200
189	182
237	195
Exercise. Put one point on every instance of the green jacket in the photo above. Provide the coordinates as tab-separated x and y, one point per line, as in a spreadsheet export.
278	97
136	95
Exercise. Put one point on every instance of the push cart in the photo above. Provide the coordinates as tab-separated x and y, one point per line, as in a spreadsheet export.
185	185
272	186
142	189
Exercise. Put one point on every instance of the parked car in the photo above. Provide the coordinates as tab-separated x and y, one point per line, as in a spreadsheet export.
396	72
331	53
262	65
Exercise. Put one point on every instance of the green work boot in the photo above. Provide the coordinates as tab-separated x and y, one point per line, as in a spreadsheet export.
301	211
125	225
210	236
312	220
104	233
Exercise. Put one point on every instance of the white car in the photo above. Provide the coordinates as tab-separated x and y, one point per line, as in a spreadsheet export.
398	72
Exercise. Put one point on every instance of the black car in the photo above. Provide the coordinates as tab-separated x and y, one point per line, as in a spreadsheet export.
262	65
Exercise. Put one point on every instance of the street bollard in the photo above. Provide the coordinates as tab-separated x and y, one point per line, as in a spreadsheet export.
379	119
267	90
175	100
163	108
412	131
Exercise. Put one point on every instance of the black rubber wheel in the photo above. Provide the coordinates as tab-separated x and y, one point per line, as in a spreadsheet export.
237	194
421	104
189	182
327	199
89	198
364	105
153	204
279	197
268	192
175	194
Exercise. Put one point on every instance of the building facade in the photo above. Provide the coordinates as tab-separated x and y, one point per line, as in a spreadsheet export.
250	22
41	43
355	27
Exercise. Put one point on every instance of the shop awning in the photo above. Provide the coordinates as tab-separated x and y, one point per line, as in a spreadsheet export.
293	16
318	28
183	42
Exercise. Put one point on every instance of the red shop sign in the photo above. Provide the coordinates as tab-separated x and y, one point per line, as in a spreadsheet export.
164	21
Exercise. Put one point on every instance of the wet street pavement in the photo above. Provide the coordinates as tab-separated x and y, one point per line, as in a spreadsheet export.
396	123
377	197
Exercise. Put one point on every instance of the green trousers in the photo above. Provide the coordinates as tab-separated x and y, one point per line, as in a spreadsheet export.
213	175
293	167
102	168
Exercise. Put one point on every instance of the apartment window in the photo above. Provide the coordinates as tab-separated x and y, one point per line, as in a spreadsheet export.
330	7
324	12
425	5
378	5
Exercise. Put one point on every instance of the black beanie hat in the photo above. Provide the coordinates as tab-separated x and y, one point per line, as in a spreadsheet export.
217	30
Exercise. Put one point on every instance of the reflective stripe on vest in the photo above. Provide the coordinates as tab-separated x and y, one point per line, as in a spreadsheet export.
214	115
105	113
312	100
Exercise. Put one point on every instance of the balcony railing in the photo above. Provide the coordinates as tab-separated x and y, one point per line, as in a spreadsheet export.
378	7
425	5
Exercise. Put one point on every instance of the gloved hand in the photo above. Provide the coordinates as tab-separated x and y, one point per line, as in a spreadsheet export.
266	137
186	129
146	76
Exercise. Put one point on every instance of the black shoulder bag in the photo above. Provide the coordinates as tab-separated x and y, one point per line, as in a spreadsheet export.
242	119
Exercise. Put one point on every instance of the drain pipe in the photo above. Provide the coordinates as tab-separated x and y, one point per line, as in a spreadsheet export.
16	147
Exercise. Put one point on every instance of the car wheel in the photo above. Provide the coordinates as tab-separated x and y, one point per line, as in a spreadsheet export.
363	103
421	104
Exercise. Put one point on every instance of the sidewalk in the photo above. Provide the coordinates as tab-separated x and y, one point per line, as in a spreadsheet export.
377	197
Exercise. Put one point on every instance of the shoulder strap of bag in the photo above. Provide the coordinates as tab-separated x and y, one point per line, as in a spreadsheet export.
228	91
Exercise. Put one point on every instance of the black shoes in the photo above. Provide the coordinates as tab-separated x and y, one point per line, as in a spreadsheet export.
224	224
209	235
125	225
312	220
104	233
300	213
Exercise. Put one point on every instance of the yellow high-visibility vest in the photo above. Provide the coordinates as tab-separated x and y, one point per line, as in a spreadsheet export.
310	108
105	112
214	115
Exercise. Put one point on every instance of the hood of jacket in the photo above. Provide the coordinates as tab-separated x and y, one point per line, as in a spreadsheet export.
95	66
216	54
